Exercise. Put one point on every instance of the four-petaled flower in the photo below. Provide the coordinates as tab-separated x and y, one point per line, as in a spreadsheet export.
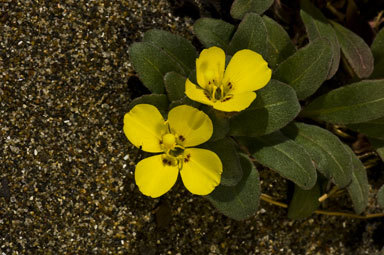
230	89
200	169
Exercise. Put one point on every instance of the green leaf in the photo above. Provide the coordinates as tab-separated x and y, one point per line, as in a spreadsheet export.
251	34
225	149
355	50
279	45
151	64
284	156
373	128
214	32
159	100
378	145
318	26
240	7
325	149
355	103
219	121
304	202
176	47
241	201
307	69
274	107
184	100
377	49
174	85
380	196
359	188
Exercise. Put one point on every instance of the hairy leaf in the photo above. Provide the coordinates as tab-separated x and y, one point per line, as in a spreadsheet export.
317	26
219	121
225	149
175	85
151	64
373	128
284	156
377	48
250	34
241	201
240	7
214	32
274	107
279	45
355	50
184	100
359	188
307	69
176	47
355	103
325	149
304	202
378	145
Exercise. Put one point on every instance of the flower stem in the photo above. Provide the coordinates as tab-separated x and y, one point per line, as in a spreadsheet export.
270	200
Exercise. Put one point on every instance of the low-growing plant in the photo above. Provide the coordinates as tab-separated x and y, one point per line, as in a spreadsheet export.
253	99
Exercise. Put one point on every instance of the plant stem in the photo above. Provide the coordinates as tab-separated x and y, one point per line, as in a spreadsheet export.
340	16
270	200
327	195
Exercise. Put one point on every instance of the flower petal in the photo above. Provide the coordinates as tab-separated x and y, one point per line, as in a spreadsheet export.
237	103
247	71
143	126
210	66
202	173
195	93
193	125
153	177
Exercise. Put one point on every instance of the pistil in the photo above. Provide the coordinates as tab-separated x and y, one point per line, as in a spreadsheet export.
169	141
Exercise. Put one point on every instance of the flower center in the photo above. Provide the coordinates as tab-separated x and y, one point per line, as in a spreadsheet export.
173	150
218	92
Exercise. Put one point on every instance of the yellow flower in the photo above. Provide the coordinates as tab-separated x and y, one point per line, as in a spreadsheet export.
186	127
230	89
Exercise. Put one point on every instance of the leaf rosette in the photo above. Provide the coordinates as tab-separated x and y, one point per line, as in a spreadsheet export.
252	98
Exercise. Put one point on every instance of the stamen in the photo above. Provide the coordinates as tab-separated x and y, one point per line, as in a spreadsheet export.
226	98
222	91
213	96
218	92
206	93
181	138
